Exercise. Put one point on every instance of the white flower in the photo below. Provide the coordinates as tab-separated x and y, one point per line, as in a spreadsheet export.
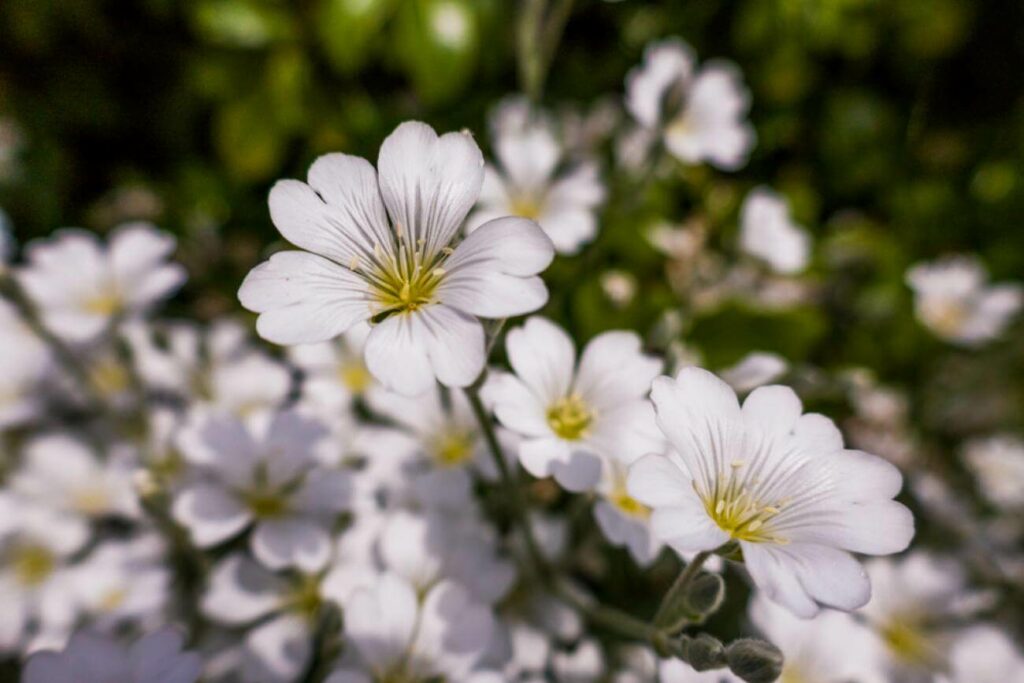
37	586
125	582
778	483
27	361
526	183
401	637
952	299
280	612
984	654
89	658
334	371
767	232
998	464
266	475
570	417
915	602
584	664
623	520
79	285
699	113
403	275
755	369
677	671
830	648
63	473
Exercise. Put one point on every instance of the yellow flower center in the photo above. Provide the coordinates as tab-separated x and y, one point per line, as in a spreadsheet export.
404	281
628	505
907	641
526	206
946	316
113	599
354	376
737	511
791	674
570	418
106	303
266	504
33	564
453	448
305	598
109	377
92	500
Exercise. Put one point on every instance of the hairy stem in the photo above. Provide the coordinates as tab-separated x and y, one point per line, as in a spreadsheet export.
682	583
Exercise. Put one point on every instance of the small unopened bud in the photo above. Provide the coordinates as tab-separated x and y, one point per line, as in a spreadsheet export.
691	606
755	661
703	652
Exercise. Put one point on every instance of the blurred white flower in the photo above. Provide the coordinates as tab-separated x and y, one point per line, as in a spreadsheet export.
404	276
914	606
37	586
79	285
952	299
830	648
619	286
62	473
623	520
767	232
700	114
677	671
998	464
90	658
334	371
266	475
27	361
778	483
279	613
583	664
755	369
572	416
125	581
527	183
401	636
984	654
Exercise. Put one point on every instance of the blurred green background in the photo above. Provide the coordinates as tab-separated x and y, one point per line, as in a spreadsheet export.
896	129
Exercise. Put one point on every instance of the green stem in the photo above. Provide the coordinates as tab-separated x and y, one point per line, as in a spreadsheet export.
682	583
539	33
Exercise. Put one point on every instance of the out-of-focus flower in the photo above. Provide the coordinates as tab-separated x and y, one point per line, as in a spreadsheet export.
403	275
27	362
998	464
334	371
79	285
952	299
37	585
401	636
527	183
624	520
755	369
767	232
676	671
90	658
699	114
63	473
914	605
125	582
984	654
572	416
267	475
830	648
278	612
585	662
778	483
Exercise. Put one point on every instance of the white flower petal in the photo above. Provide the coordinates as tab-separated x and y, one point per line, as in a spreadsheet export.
380	621
491	274
655	480
543	357
429	183
613	370
210	514
774	409
291	542
580	472
303	298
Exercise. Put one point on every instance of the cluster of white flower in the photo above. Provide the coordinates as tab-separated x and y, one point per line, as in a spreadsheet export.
351	509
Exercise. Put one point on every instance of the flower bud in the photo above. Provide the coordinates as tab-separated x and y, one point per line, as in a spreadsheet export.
755	661
702	597
703	652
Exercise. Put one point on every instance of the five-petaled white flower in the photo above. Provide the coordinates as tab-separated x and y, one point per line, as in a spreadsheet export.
79	285
404	275
767	232
264	474
778	483
571	417
700	114
952	299
527	183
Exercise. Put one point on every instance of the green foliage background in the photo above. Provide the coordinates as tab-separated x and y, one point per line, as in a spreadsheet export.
896	129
